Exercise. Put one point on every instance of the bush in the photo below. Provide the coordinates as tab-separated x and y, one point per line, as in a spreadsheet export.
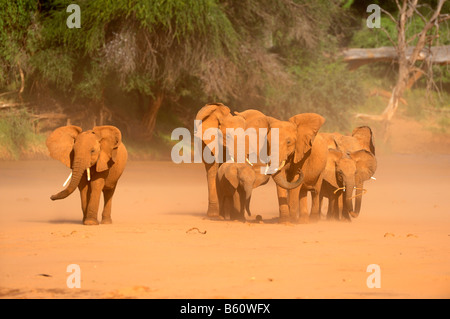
331	90
17	137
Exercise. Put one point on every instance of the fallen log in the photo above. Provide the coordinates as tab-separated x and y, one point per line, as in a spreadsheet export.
356	57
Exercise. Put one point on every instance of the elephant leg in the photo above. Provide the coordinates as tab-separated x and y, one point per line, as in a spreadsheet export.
213	200
222	204
96	188
283	204
84	194
315	202
241	204
331	207
320	203
107	196
236	212
229	208
345	216
304	214
293	199
339	205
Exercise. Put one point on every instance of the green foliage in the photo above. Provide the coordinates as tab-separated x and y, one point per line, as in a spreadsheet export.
366	37
274	55
55	66
145	43
17	134
330	90
18	37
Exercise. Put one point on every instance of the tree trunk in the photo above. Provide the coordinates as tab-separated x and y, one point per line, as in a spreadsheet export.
150	115
406	59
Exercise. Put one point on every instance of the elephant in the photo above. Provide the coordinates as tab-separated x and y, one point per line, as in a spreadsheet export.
235	183
213	115
301	164
351	161
218	116
97	158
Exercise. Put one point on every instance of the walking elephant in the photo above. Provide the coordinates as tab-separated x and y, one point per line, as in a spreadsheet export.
235	183
351	161
302	159
97	158
218	116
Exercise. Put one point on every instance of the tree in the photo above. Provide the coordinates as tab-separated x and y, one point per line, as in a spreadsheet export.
17	38
131	59
407	63
158	49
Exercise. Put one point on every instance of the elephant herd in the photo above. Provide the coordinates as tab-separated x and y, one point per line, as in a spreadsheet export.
328	165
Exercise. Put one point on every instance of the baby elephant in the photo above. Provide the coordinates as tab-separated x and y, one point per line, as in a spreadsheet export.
97	158
235	182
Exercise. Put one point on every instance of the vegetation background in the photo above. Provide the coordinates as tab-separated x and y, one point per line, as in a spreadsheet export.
148	66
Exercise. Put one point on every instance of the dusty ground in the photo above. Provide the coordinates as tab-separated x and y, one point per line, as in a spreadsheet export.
148	253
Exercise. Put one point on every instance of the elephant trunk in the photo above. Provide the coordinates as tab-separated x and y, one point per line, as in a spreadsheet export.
77	172
248	188
358	200
348	198
281	180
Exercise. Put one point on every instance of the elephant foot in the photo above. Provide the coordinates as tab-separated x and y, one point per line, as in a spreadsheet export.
90	221
283	219
303	219
346	220
106	220
213	211
314	217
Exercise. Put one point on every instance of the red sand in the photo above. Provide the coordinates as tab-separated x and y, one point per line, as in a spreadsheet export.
148	253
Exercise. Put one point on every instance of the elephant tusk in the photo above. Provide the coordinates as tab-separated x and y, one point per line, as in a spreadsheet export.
338	189
282	165
373	178
246	159
88	174
67	180
267	169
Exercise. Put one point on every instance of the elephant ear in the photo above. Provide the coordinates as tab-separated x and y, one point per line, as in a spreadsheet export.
365	137
366	164
249	114
329	173
60	143
329	139
232	176
214	112
308	124
110	138
258	122
211	115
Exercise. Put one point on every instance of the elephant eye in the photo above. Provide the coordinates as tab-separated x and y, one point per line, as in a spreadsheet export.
92	151
288	142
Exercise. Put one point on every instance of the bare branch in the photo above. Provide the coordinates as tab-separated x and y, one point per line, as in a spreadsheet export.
420	15
5	105
389	37
411	39
423	34
398	5
6	93
412	7
443	17
389	15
